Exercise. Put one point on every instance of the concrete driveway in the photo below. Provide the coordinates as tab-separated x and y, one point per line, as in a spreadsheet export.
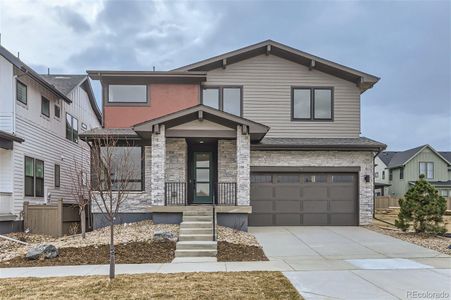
355	263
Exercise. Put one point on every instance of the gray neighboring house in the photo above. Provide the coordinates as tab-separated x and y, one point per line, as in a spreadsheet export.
404	168
40	119
267	133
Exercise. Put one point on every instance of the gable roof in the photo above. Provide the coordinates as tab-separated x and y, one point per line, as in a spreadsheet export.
400	159
200	111
66	83
446	155
15	61
363	80
387	156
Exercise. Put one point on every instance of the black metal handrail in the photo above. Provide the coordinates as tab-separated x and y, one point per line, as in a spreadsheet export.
227	193
175	193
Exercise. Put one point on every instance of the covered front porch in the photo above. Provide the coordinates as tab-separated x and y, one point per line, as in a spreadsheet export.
200	156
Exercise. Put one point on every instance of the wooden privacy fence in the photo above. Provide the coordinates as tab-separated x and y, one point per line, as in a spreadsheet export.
53	219
386	202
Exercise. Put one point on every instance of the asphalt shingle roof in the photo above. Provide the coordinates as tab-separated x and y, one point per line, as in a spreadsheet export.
387	156
400	158
361	142
446	155
64	83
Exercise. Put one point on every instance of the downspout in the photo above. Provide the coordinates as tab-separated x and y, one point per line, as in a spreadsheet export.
13	85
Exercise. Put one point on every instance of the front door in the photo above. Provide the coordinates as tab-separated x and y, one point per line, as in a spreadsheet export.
203	174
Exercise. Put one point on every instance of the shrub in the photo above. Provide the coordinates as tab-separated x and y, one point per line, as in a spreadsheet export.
422	209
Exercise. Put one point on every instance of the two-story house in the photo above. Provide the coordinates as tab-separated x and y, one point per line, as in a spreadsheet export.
267	133
40	120
381	181
405	167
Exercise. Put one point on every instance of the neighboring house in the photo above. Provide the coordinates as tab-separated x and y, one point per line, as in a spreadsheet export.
382	183
268	133
40	119
404	168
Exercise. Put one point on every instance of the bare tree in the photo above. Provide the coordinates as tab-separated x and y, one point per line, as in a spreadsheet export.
81	190
112	171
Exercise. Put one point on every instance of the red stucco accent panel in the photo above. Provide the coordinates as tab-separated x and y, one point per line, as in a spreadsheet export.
164	99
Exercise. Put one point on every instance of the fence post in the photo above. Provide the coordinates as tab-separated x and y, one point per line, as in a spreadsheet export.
25	215
60	217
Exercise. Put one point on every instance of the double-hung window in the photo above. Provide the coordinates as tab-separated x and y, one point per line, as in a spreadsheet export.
45	106
21	92
71	128
311	104
427	169
34	177
390	175
225	98
401	173
57	111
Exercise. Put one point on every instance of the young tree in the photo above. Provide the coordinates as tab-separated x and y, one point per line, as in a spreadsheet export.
422	208
112	171
81	190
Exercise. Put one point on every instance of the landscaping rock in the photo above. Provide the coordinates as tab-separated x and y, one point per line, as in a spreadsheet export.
164	235
42	251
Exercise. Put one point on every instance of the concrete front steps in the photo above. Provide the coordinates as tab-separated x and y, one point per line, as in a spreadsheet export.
196	236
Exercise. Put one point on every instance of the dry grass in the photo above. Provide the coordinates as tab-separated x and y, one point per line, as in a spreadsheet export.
239	285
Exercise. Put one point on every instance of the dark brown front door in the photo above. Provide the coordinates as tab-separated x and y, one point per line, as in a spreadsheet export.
304	199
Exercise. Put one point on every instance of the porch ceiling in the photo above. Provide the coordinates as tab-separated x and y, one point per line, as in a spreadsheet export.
201	112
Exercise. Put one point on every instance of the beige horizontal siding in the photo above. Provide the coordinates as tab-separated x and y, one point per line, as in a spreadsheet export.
267	82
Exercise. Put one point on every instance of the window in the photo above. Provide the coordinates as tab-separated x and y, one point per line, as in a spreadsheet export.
427	169
45	106
390	175
261	178
57	111
71	128
311	103
34	177
444	193
21	92
401	173
341	178
120	172
376	175
383	174
210	97
127	93
227	99
288	178
57	175
231	101
315	178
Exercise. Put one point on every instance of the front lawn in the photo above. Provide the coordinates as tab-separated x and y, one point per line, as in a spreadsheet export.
236	285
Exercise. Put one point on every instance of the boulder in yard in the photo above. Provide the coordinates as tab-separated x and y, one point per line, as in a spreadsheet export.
42	251
163	235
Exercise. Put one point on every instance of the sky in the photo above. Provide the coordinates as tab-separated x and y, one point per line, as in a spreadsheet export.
405	43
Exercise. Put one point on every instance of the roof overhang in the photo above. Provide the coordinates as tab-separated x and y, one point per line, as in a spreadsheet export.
361	79
201	112
324	144
154	76
7	140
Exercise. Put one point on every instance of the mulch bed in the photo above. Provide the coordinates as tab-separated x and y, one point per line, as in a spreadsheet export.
238	252
130	253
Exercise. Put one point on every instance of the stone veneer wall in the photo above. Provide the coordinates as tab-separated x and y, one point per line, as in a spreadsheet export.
176	159
158	158
243	167
227	161
362	159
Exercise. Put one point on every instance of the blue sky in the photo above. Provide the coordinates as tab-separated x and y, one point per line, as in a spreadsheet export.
406	43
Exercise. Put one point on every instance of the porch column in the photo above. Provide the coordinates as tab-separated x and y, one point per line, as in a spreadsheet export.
243	161
158	158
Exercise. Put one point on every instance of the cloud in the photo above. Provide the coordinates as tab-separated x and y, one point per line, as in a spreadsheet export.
72	19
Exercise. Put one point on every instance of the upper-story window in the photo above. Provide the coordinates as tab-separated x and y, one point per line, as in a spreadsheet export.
383	174
71	128
21	92
390	175
226	98
311	104
120	93
427	169
45	106
401	173
57	111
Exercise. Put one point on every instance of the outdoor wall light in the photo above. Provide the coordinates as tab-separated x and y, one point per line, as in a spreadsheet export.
367	178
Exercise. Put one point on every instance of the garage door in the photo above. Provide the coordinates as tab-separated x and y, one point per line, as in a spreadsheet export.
304	199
